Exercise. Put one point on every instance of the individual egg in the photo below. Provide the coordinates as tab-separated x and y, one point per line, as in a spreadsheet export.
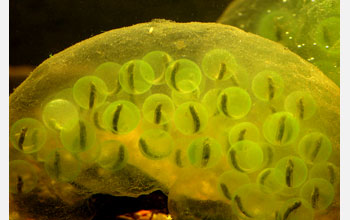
183	75
269	180
62	165
249	202
109	73
156	144
245	156
22	177
28	135
296	209
315	147
243	131
90	92
219	64
234	102
80	138
121	117
204	152
60	114
281	128
267	85
158	109
114	155
136	76
159	61
229	182
325	170
318	192
294	171
300	104
191	118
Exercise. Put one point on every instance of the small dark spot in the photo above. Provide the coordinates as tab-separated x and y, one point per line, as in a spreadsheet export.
158	114
22	137
145	149
116	117
271	88
291	209
222	71
173	75
281	128
331	174
264	176
178	160
19	184
315	196
56	165
131	69
96	121
289	173
206	153
223	104
301	108
82	132
233	160
240	206
92	96
225	191
318	145
241	134
195	117
121	156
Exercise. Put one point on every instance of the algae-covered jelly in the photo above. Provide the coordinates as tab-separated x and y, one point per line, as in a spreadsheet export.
227	124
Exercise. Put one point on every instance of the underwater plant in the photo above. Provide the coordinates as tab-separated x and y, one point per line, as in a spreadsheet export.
226	123
310	28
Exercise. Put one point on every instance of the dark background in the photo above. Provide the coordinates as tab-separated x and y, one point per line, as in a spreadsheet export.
40	28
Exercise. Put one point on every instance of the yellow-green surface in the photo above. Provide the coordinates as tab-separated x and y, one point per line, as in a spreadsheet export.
189	175
310	28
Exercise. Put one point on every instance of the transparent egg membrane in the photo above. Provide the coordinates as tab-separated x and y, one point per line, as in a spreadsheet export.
221	142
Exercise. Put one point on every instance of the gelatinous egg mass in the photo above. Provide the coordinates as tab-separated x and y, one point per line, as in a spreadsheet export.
227	124
308	28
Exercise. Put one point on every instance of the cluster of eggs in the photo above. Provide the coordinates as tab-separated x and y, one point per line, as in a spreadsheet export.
159	99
